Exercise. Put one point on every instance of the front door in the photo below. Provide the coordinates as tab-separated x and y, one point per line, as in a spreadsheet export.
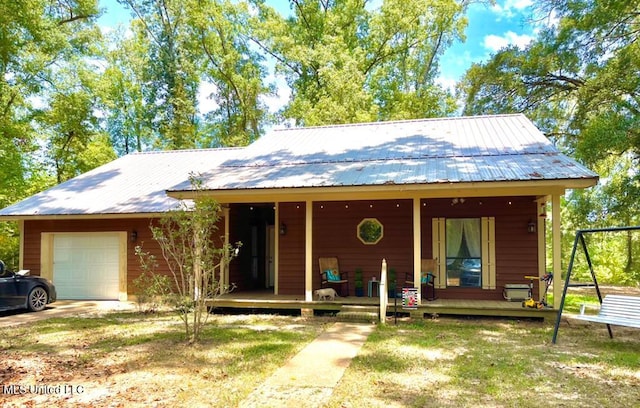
255	264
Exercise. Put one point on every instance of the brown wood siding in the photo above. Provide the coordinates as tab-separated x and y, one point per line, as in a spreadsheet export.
291	247
516	248
34	229
335	234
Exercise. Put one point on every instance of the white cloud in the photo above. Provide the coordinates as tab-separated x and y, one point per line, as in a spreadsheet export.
38	102
550	20
509	8
206	103
281	97
495	42
518	4
447	83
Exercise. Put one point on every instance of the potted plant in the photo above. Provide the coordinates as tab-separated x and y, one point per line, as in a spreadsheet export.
359	284
391	278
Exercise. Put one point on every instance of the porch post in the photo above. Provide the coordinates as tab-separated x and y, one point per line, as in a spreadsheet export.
276	255
308	263
557	259
541	215
21	247
417	248
224	274
382	288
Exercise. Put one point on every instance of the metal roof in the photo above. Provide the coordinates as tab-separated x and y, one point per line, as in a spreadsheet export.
429	151
420	152
135	183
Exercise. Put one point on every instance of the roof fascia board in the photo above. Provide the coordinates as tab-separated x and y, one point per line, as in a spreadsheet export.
381	192
79	216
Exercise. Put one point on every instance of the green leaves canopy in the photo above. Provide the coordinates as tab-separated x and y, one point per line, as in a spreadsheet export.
347	62
580	82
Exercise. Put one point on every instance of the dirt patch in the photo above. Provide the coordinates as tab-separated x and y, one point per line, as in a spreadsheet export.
143	361
608	290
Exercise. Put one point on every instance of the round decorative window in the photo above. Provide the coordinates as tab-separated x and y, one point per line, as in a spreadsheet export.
370	231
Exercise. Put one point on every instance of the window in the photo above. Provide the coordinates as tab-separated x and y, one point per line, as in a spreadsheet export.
455	244
370	231
464	252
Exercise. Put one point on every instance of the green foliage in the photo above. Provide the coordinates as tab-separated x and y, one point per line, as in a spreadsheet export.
578	82
392	279
42	43
152	290
9	245
121	91
348	63
195	257
358	282
169	76
75	144
233	68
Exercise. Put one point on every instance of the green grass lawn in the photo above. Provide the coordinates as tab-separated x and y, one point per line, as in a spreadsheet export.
489	363
138	360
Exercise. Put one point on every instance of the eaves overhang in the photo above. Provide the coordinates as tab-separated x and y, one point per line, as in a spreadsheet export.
92	216
390	191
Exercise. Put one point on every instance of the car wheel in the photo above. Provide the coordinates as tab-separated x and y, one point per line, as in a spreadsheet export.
37	299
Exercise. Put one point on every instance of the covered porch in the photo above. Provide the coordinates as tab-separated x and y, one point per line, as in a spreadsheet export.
283	242
266	301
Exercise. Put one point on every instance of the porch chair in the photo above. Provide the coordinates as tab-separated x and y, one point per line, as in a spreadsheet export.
427	277
330	274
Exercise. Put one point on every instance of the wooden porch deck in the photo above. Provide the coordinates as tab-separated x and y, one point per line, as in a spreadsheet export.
256	300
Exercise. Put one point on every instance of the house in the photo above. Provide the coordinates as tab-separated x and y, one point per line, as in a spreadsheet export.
471	192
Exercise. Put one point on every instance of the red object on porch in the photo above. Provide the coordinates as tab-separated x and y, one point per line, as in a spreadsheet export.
330	274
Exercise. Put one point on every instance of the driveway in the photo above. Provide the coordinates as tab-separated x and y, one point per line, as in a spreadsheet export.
63	308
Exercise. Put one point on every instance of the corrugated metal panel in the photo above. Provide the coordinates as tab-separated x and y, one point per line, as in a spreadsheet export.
469	136
450	150
135	183
408	171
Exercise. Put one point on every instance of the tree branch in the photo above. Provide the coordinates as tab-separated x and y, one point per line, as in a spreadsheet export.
75	18
276	56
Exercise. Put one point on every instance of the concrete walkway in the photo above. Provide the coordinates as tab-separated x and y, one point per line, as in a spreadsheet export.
308	379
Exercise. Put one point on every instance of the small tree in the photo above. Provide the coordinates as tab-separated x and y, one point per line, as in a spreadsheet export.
152	289
187	241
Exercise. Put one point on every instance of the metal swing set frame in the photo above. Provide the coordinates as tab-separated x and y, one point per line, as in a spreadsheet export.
579	239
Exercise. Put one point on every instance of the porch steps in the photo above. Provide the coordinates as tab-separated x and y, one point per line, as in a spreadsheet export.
357	313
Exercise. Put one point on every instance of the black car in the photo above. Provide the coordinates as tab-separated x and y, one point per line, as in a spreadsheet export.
21	291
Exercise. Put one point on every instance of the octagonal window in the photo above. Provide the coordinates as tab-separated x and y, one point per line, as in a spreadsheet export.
370	231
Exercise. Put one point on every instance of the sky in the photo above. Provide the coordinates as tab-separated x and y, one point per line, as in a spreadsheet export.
490	28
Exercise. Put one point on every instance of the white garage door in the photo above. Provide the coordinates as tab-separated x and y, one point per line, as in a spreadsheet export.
86	266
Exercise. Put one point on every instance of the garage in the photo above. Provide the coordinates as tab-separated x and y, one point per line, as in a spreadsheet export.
86	265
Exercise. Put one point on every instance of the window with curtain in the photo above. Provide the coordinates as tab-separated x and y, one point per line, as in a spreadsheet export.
464	252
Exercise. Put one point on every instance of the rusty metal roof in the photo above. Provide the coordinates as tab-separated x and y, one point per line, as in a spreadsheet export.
429	151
